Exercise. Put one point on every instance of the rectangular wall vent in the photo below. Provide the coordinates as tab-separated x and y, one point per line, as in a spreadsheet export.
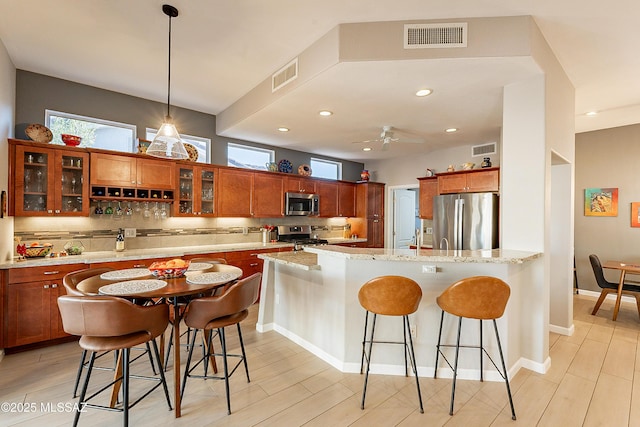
483	150
426	36
285	75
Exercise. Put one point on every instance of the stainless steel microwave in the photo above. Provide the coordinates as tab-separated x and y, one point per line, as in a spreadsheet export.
301	204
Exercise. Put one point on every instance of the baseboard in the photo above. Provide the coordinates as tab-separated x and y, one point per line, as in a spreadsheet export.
562	330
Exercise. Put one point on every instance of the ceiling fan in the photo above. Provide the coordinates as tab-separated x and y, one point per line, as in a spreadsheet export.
387	136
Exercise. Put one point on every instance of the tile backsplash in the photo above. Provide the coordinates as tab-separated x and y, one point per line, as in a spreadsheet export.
98	232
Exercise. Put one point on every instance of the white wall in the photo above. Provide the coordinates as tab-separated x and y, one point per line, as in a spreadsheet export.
7	120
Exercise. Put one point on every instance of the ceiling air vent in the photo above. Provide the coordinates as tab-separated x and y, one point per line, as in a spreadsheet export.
425	36
284	75
483	150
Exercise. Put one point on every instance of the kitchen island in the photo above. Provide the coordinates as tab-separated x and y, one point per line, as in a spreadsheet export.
312	298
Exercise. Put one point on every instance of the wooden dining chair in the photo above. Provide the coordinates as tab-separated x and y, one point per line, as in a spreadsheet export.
610	287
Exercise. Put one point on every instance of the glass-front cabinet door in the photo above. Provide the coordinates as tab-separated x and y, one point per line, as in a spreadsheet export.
196	188
206	192
51	182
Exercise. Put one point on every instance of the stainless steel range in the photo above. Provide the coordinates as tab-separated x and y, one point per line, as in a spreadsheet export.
299	235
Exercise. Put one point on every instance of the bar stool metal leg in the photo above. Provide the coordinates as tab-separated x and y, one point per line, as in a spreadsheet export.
364	340
455	367
414	365
504	369
435	369
368	358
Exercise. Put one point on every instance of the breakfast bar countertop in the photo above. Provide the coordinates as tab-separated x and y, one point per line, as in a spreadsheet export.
493	256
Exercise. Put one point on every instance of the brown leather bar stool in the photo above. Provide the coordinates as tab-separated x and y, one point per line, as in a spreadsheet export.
478	297
390	296
214	262
218	312
110	323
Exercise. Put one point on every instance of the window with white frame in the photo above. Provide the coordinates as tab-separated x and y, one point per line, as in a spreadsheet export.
203	145
95	133
326	168
245	156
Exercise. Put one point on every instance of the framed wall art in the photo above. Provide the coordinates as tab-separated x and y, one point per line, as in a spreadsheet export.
635	214
601	202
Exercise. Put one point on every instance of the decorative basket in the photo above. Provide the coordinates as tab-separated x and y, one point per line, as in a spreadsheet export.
160	270
38	251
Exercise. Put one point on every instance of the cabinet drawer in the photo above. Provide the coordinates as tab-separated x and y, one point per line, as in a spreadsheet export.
35	274
242	255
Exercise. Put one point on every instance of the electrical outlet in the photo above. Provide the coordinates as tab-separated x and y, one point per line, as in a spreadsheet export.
245	230
414	331
129	232
431	269
429	230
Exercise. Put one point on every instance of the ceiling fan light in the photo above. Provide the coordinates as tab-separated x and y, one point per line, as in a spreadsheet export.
424	92
451	130
367	149
283	129
325	113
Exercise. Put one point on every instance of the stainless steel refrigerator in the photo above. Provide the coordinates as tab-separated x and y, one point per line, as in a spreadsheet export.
465	221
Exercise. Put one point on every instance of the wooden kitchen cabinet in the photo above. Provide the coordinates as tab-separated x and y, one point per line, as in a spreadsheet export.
268	195
195	192
131	177
428	190
328	195
48	181
243	193
471	181
346	199
300	184
234	190
370	213
31	302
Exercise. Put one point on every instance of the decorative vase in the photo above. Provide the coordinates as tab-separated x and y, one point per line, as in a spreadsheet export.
364	175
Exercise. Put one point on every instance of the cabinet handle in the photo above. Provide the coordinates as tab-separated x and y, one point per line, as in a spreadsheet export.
253	255
255	264
48	273
139	266
54	286
49	211
57	211
46	286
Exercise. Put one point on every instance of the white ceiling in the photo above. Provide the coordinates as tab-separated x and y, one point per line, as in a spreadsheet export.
224	48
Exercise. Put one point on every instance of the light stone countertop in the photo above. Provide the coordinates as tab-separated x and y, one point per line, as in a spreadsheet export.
495	256
299	259
135	254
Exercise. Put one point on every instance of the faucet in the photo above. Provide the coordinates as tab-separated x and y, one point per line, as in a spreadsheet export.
446	241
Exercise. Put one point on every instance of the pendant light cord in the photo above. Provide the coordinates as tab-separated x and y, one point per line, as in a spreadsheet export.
169	72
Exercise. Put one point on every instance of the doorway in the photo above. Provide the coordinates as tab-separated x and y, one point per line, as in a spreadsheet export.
404	216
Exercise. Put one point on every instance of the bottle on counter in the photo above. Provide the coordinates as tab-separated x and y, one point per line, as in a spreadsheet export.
120	240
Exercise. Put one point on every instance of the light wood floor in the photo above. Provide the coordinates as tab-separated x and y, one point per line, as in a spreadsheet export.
594	380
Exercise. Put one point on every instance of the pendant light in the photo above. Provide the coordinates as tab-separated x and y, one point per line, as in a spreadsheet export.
167	143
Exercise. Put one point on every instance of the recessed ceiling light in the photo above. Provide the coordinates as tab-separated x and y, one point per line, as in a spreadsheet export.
424	92
325	113
592	113
366	149
451	130
283	129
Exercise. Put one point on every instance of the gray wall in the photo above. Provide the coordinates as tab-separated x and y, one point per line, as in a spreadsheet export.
36	92
604	159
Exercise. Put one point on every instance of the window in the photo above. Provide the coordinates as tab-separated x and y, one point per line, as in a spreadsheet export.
326	169
95	133
203	145
244	156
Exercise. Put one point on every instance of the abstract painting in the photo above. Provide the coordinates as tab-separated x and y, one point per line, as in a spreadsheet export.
601	202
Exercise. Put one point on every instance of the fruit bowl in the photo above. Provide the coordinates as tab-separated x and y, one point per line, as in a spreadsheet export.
71	140
37	251
169	269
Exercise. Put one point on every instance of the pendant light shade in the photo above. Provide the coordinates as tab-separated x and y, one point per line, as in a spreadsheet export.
167	143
